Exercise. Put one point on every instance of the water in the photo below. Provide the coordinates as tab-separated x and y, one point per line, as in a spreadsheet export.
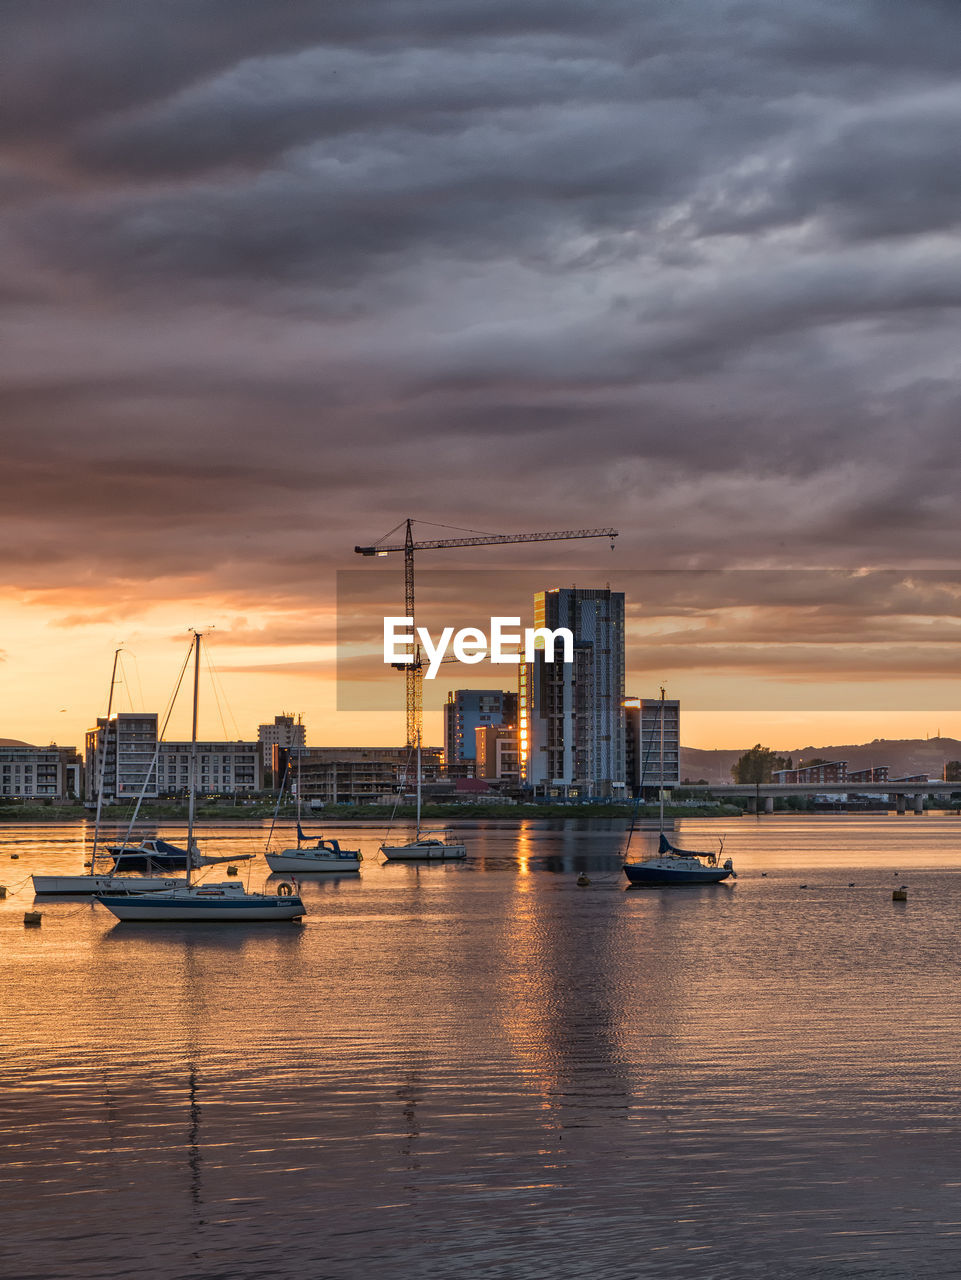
482	1070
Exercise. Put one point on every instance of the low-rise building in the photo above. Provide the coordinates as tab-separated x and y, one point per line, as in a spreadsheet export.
497	753
50	773
364	775
815	774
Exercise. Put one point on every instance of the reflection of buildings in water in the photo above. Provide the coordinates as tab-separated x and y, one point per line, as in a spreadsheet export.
560	1020
409	1093
194	1157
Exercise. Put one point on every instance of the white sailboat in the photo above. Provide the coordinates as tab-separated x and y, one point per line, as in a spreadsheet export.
204	903
325	855
426	846
92	882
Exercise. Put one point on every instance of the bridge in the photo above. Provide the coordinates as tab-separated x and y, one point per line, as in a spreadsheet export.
900	792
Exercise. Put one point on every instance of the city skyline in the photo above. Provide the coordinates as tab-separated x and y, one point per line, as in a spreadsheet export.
770	656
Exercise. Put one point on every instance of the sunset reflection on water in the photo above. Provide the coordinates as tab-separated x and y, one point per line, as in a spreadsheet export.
486	1069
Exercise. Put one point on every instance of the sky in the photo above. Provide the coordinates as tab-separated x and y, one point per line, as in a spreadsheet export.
276	276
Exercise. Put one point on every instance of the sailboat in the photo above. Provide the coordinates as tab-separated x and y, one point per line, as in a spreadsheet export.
204	903
92	882
325	855
426	846
154	854
672	865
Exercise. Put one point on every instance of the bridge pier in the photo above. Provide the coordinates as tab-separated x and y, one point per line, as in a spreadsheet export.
902	804
768	804
752	804
919	803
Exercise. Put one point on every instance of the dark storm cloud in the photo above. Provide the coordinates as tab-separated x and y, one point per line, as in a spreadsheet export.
276	276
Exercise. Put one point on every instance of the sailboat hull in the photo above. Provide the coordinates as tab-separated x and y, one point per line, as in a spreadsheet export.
424	851
90	885
668	871
216	904
308	860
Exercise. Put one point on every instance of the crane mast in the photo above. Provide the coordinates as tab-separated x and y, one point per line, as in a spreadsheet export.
413	671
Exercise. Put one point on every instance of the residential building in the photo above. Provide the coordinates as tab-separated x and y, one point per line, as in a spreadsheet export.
496	753
49	773
815	774
877	773
467	710
223	768
284	732
643	719
132	762
571	717
120	751
364	775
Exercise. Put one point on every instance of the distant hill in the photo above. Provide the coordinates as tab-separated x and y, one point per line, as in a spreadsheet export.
14	742
903	756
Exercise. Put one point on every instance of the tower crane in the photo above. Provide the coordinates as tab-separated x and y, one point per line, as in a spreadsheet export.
413	670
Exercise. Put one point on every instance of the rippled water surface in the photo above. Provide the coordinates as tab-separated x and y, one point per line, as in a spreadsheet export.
483	1070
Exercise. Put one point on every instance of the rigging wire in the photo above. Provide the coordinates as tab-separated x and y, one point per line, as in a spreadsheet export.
168	711
400	792
220	696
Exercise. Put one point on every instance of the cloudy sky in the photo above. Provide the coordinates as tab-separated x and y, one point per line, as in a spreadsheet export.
276	275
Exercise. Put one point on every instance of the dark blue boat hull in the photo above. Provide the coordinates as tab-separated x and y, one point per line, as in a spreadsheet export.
638	873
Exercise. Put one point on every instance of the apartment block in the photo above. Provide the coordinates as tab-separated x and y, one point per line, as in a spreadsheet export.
644	720
286	731
571	715
468	710
125	751
49	773
364	775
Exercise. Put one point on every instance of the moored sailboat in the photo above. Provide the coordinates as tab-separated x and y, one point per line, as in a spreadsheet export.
426	846
203	903
325	855
94	882
670	865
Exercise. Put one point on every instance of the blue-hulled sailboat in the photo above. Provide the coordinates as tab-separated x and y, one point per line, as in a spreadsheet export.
671	866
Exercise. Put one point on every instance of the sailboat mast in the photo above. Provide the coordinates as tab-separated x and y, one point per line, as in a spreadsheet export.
661	773
298	797
417	837
103	765
193	759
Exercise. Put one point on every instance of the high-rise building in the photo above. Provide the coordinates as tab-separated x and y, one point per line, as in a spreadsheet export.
467	710
284	732
643	718
571	717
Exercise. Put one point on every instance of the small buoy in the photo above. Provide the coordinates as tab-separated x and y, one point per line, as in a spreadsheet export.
803	886
900	895
32	917
850	884
14	857
763	875
87	864
582	879
3	892
231	871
